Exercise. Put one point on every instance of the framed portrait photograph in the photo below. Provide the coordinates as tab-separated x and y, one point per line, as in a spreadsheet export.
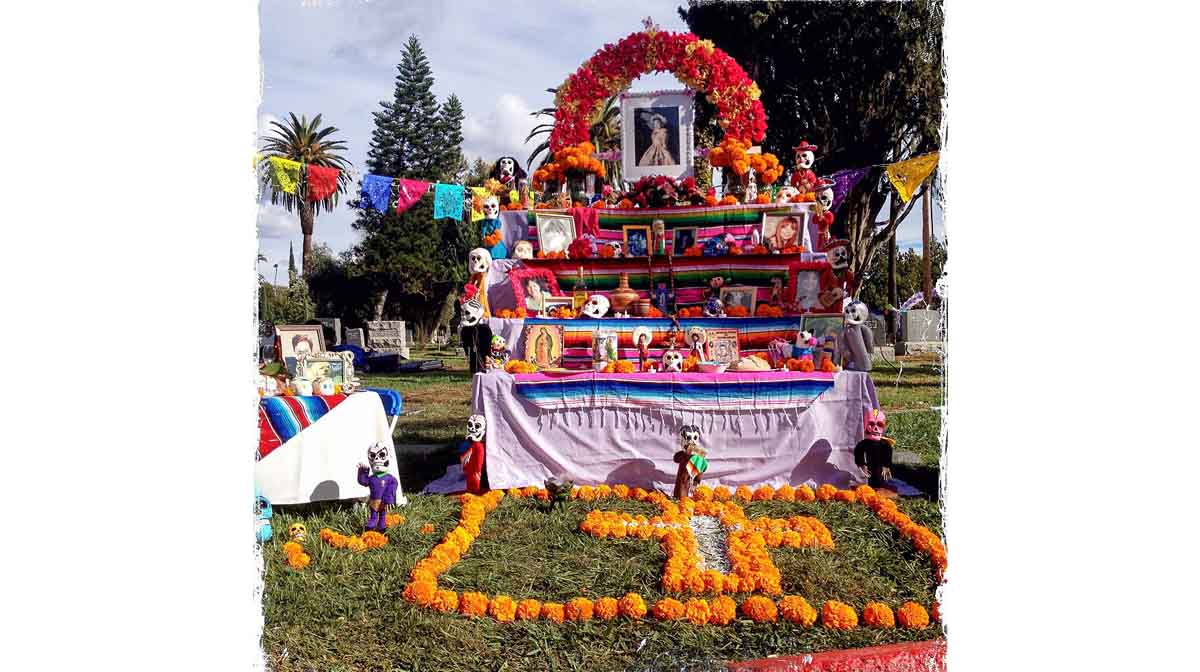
543	345
555	232
532	287
637	240
783	230
723	346
337	366
297	339
656	134
605	344
682	239
739	295
813	288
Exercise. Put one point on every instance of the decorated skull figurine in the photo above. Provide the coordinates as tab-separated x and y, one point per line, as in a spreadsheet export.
874	424
692	460
479	261
616	248
855	312
751	187
523	250
596	306
377	455
476	427
689	437
804	155
825	195
507	166
672	361
838	254
786	194
297	533
856	344
491	207
472	313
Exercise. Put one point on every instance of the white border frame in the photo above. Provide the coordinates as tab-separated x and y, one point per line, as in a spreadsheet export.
568	225
685	101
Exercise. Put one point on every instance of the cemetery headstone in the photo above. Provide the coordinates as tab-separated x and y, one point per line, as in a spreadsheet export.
357	338
388	336
334	323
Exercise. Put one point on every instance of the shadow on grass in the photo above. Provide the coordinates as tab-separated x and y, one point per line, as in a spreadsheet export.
922	477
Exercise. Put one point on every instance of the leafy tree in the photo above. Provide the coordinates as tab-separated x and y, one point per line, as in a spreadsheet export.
478	172
413	262
307	142
864	80
873	290
605	134
291	259
297	306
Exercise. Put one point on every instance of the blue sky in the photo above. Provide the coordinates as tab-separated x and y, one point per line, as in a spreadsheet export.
338	58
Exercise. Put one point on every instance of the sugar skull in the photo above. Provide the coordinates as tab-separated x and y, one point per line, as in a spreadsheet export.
689	438
804	155
491	207
838	255
672	361
523	250
855	312
499	344
874	423
479	260
476	427
377	456
825	196
297	533
786	194
472	313
616	247
596	306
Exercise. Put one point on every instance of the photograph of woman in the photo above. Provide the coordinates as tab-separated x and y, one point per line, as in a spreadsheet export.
781	233
663	144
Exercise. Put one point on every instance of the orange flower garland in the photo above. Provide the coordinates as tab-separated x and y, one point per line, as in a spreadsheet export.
722	610
502	608
669	609
767	310
520	366
605	608
632	606
759	609
528	610
579	609
571	161
473	604
697	611
737	311
796	609
838	616
553	611
913	616
878	615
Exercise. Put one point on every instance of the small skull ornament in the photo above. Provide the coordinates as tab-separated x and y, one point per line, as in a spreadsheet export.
297	533
825	197
377	456
507	166
672	361
596	306
689	437
616	248
523	250
786	194
476	427
472	313
855	312
839	257
874	424
491	207
479	260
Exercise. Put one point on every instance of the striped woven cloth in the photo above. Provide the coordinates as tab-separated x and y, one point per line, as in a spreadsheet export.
281	418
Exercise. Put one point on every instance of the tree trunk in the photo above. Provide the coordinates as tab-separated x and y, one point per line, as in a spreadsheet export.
306	227
380	302
447	312
926	234
893	298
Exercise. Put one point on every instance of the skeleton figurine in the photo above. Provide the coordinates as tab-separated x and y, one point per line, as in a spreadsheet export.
523	250
873	455
498	356
471	453
476	336
822	212
479	261
672	361
642	338
692	461
596	306
490	224
803	178
751	187
696	338
383	487
837	252
803	349
507	171
856	342
786	194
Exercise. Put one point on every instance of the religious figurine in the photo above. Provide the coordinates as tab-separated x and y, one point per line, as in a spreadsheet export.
664	299
692	461
713	307
856	342
491	228
642	337
472	453
507	171
751	187
873	454
498	356
696	338
382	485
659	234
803	178
476	336
479	261
777	292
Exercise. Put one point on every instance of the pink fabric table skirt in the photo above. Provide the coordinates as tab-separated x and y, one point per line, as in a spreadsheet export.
527	444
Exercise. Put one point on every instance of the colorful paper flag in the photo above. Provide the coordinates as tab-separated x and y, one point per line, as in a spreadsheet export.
285	174
408	192
843	183
448	201
906	176
376	191
482	194
322	182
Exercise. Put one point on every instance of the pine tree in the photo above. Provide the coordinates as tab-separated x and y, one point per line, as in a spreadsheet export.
410	256
291	260
298	306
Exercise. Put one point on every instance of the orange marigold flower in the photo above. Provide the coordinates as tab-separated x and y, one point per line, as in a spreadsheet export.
714	581
786	494
356	544
668	609
732	584
878	615
632	606
427	528
697	611
847	496
621	490
579	609
552	611
502	608
528	610
826	492
373	539
797	610
864	491
722	493
744	493
838	616
722	610
473	604
298	560
394	519
912	615
291	548
587	493
605	608
420	592
446	601
764	493
805	494
760	609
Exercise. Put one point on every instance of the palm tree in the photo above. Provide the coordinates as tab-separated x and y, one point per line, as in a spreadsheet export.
605	134
305	141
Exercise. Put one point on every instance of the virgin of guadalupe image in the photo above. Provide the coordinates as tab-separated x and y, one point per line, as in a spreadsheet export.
656	154
543	350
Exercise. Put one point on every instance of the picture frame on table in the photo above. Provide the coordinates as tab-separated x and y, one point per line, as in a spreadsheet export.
532	287
555	232
637	240
723	346
656	132
337	366
781	230
826	329
739	295
553	302
297	339
683	238
605	346
544	345
799	293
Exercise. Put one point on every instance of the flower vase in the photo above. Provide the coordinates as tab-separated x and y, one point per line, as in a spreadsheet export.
623	295
734	184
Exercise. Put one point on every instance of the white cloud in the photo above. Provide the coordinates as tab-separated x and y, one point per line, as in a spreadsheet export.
500	131
274	222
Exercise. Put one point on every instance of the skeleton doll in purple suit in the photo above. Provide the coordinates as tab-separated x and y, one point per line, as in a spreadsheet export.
383	487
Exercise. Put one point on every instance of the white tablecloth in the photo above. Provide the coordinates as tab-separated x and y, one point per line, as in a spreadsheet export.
321	462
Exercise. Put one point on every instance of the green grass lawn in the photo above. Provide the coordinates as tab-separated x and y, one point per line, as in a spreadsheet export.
344	612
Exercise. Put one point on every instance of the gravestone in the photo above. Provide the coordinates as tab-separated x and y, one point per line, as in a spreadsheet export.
356	337
388	336
335	324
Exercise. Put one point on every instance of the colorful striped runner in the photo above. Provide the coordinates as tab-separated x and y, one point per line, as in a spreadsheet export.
281	418
692	391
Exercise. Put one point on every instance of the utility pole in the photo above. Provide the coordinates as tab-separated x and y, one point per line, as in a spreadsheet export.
926	234
893	299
